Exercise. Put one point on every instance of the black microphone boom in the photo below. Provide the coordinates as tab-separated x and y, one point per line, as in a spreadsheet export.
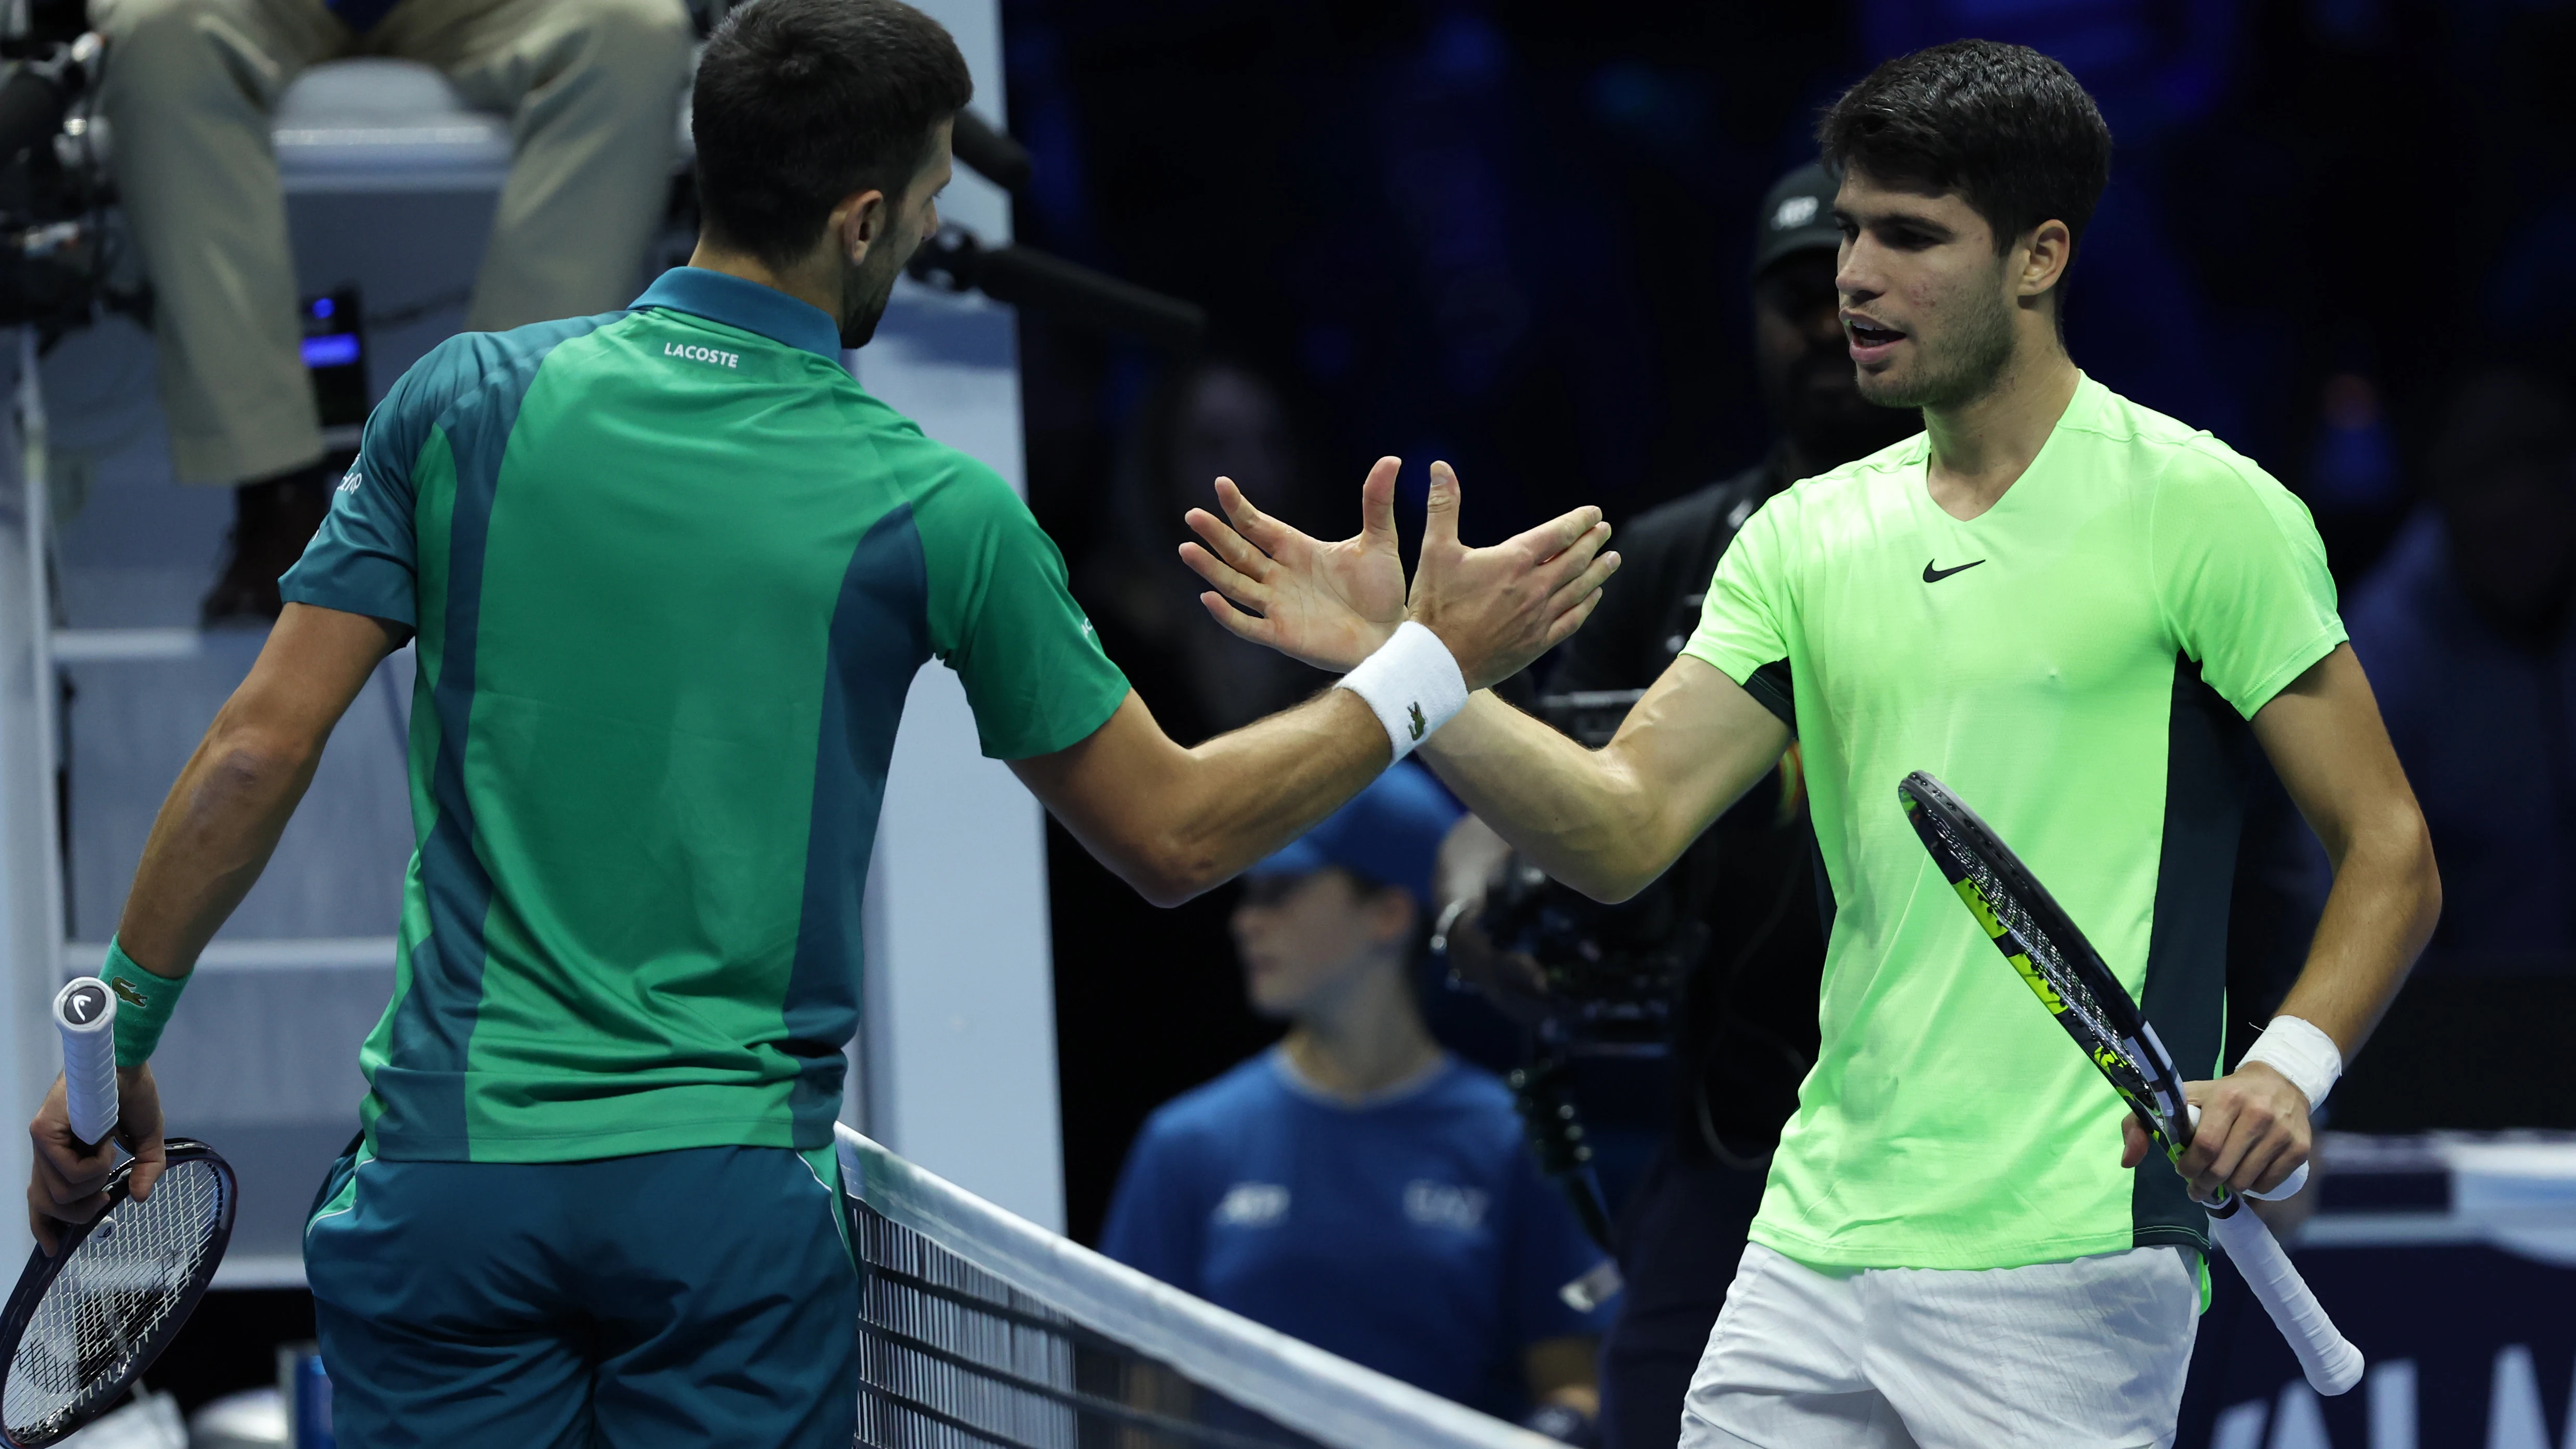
1023	277
990	151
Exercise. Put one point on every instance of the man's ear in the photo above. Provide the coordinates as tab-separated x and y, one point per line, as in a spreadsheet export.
859	222
2045	253
1392	915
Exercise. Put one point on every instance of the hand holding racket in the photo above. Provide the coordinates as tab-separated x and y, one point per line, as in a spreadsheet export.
2071	980
76	1131
132	1246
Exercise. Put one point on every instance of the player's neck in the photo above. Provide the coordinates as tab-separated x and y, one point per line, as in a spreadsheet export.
1364	1041
815	281
1981	447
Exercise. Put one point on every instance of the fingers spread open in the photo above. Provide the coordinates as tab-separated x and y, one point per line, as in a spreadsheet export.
1213	569
1238	551
1560	533
1377	502
1440	510
1571	620
1238	623
1267	533
1594	575
1570	562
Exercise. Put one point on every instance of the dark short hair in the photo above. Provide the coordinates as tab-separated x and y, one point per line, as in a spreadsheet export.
799	103
2006	127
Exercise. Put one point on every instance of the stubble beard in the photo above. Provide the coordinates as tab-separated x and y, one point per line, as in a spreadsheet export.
1964	370
868	287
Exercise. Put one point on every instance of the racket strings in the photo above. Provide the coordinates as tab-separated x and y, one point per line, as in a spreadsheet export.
2040	948
112	1298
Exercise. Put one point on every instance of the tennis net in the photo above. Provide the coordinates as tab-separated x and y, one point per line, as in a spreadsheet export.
980	1329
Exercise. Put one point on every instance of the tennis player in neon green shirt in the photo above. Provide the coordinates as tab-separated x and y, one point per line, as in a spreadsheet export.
2073	610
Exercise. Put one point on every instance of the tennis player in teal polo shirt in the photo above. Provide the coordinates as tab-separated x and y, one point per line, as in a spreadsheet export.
671	572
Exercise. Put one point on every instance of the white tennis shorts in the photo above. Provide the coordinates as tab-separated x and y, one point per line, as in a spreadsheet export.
2088	1354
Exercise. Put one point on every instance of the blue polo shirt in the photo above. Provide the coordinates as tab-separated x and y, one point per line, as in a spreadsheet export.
1411	1233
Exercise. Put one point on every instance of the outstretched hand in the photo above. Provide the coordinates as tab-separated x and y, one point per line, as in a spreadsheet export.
1325	604
1499	608
1332	604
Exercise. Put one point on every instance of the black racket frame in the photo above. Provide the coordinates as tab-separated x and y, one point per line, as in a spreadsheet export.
41	1271
2156	1094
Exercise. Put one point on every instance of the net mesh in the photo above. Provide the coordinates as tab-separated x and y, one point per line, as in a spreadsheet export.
978	1329
955	1358
112	1300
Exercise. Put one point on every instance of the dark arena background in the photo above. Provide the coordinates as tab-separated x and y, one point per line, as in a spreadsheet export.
1278	241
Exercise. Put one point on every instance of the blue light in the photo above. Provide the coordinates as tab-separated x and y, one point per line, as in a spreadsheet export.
322	307
338	349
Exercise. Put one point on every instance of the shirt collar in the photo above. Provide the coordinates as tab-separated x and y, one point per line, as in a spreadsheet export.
1299	1084
736	302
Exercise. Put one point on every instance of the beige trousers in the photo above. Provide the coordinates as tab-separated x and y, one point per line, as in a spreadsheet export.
592	88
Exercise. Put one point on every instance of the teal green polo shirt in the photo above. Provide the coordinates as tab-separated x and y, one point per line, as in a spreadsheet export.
672	572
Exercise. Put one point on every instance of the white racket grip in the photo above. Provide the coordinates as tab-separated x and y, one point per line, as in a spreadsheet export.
85	1013
2328	1358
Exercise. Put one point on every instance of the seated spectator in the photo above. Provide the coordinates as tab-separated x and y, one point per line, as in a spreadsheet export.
2464	629
593	90
1356	1186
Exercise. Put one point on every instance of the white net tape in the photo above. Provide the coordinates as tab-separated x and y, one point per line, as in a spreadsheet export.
980	1329
112	1299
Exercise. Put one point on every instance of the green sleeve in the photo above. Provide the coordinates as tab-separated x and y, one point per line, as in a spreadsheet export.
2240	575
1003	618
1743	624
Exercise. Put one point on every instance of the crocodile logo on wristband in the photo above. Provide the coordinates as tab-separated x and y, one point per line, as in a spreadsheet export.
126	990
1416	708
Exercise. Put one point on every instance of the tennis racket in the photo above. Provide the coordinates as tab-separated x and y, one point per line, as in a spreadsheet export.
83	1325
2070	979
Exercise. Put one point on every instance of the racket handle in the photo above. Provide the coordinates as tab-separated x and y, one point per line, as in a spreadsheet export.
85	1013
2330	1361
2290	1185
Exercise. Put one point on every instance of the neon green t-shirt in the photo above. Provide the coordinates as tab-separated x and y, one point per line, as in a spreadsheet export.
2077	663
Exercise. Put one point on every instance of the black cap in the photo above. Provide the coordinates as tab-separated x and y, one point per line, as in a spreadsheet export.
1797	215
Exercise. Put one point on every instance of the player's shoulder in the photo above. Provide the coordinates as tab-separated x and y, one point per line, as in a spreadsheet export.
2175	460
943	483
1863	482
474	365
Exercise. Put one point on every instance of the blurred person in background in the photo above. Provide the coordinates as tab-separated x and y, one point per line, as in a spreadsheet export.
1355	1186
1745	1028
1211	416
2464	628
592	88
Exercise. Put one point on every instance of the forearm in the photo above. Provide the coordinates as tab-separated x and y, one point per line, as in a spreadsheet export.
1248	792
211	840
1575	813
2387	896
1176	822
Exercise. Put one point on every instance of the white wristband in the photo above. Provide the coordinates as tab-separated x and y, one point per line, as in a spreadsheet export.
2296	1049
1412	683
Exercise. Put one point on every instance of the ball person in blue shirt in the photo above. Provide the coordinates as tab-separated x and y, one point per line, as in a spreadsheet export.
1356	1186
